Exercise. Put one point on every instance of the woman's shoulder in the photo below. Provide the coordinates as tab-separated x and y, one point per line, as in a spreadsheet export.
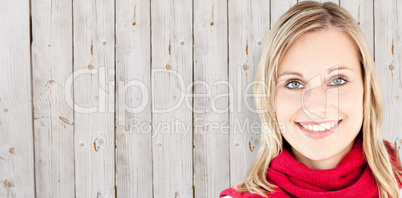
388	144
229	193
393	152
395	159
233	193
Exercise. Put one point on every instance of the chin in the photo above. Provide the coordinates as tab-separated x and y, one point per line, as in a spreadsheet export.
316	154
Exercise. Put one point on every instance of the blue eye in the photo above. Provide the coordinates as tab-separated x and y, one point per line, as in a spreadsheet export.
294	84
338	81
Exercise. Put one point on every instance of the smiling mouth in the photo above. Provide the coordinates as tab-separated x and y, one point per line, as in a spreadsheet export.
319	126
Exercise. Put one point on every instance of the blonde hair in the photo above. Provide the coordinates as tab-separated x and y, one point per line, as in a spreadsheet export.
302	18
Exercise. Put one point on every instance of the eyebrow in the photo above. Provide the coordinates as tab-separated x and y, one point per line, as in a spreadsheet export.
338	68
328	71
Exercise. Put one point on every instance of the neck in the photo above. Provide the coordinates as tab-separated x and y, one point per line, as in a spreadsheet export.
323	164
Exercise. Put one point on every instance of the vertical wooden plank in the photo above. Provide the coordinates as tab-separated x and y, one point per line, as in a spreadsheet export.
94	98
211	113
322	1
248	27
171	73
133	133
333	1
53	118
308	0
362	11
16	141
278	7
388	54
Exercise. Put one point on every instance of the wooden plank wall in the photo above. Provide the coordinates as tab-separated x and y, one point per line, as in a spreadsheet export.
52	58
90	92
211	145
17	172
94	122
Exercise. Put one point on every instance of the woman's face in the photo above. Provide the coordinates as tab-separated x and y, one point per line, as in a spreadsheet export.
320	84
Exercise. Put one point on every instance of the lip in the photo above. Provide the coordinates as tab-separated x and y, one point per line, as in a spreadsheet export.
318	134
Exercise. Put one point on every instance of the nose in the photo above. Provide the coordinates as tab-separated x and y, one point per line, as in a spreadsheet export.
314	102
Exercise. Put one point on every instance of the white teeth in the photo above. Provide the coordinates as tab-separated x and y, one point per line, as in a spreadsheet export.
327	126
321	127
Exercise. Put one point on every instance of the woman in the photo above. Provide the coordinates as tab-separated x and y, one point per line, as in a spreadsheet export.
324	91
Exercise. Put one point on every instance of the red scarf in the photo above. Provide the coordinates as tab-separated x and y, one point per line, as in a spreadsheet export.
351	178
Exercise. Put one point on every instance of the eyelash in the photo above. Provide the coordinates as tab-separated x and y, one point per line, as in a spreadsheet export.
342	77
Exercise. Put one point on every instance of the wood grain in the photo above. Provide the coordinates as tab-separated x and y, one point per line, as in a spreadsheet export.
94	98
388	28
133	71
211	99
248	26
52	64
16	137
172	70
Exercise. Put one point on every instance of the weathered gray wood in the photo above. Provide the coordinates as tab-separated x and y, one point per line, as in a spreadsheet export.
333	1
52	63
54	143
248	27
388	49
94	98
211	113
133	130
363	12
16	141
322	1
278	7
171	23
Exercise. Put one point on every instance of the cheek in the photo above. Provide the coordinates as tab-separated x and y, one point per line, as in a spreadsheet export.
288	103
351	103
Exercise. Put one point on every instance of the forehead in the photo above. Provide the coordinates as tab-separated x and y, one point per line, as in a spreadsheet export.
319	50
